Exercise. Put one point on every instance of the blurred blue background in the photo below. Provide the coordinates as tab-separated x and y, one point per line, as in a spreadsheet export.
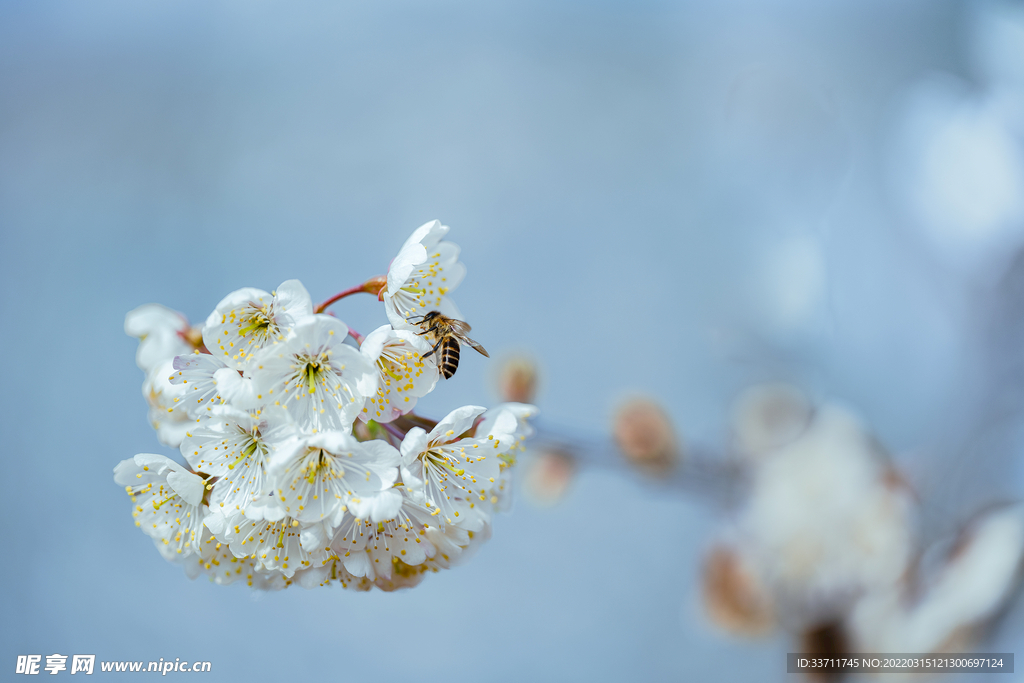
676	198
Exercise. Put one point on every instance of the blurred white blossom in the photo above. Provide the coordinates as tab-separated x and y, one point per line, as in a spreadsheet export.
823	523
161	334
968	586
959	167
826	544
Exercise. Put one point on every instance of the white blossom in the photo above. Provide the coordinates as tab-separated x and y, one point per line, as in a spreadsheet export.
279	545
321	381
368	541
396	553
331	572
452	475
500	495
400	574
250	319
283	485
403	374
233	446
454	544
168	408
522	412
161	333
215	560
969	587
316	478
824	521
197	374
168	500
421	276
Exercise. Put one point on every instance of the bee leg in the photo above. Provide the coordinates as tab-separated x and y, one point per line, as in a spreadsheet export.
431	352
432	329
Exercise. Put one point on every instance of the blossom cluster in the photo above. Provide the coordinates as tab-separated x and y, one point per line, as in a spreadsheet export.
827	542
305	460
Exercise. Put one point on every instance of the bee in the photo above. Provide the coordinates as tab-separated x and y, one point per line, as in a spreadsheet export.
448	332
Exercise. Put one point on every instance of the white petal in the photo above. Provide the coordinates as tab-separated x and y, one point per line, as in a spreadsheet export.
150	318
217	523
374	342
414	443
377	507
358	564
294	300
125	471
158	464
455	423
314	536
504	424
232	300
408	258
187	485
383	453
158	347
236	389
428	234
333	441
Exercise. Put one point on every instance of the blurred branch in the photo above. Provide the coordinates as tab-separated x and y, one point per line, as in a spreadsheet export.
701	472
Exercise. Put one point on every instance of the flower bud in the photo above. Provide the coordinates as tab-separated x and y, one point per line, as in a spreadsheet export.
517	379
547	477
194	336
645	436
734	598
376	286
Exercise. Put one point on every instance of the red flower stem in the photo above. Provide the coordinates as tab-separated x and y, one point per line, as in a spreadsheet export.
375	285
337	297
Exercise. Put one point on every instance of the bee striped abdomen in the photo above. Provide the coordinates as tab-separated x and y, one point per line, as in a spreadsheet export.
449	357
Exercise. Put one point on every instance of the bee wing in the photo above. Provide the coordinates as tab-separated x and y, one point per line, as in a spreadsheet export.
459	327
479	347
461	330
